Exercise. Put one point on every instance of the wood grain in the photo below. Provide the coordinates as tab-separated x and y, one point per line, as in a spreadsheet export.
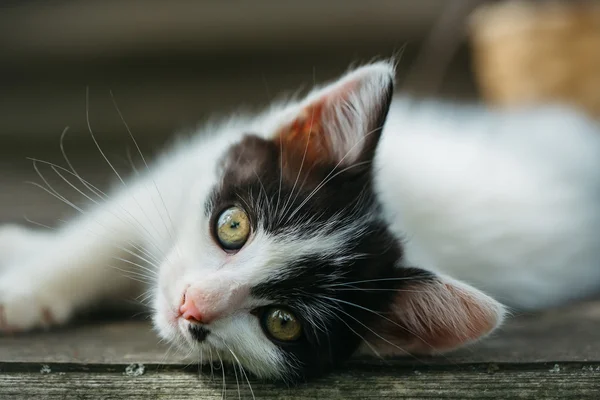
570	334
569	382
553	355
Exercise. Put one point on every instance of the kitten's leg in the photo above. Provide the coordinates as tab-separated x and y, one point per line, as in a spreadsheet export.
17	241
46	276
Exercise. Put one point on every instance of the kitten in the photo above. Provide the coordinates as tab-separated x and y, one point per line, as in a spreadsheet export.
339	224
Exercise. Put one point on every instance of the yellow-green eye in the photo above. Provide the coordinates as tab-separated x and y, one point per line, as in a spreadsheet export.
282	324
233	228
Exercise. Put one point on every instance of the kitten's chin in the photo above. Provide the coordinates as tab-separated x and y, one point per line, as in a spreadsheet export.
181	332
166	324
164	329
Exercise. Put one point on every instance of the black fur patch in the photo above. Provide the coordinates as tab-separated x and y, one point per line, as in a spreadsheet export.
198	332
332	295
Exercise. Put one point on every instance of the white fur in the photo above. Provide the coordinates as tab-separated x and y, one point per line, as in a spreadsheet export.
506	201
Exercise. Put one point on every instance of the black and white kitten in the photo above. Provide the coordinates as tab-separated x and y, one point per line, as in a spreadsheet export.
345	222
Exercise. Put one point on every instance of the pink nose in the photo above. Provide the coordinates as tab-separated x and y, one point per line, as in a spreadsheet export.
190	311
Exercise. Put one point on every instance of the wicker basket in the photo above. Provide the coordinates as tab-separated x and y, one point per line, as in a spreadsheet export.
527	52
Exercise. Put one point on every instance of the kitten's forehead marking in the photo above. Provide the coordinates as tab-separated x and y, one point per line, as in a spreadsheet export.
246	159
251	173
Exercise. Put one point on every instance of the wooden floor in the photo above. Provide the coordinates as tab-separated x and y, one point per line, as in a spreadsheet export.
554	355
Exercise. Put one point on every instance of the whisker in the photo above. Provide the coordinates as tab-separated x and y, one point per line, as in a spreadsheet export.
327	177
55	168
379	315
405	278
87	184
118	109
237	381
131	163
241	367
90	187
150	279
93	136
133	253
89	198
145	296
152	264
378	290
362	338
59	197
280	175
224	393
212	371
378	335
145	282
154	273
141	249
37	223
264	192
201	360
334	315
166	355
284	211
323	183
72	185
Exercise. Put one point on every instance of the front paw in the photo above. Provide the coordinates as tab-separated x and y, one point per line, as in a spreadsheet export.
25	307
18	243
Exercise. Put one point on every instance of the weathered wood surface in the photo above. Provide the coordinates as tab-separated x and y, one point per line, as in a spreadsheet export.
554	355
570	334
576	382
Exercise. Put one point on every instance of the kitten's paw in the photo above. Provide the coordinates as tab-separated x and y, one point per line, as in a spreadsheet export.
17	241
25	307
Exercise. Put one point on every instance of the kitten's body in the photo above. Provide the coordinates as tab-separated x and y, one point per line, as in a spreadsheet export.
505	201
508	201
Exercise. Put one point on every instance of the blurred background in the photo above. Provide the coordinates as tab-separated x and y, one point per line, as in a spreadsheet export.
169	65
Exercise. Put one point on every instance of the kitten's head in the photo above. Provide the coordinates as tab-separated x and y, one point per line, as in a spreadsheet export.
291	268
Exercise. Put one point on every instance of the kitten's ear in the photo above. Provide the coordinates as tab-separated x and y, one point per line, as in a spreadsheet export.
340	123
434	316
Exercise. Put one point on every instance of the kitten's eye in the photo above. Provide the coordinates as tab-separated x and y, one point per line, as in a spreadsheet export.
233	228
282	324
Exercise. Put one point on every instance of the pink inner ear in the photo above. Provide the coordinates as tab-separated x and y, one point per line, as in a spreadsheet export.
441	316
305	140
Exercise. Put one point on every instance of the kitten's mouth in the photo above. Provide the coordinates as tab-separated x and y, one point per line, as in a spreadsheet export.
198	332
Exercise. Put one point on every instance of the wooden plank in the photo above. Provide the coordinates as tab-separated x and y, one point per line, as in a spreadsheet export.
566	335
567	382
553	355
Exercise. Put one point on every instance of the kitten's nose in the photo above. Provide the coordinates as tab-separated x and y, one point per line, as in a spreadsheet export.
190	311
208	302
